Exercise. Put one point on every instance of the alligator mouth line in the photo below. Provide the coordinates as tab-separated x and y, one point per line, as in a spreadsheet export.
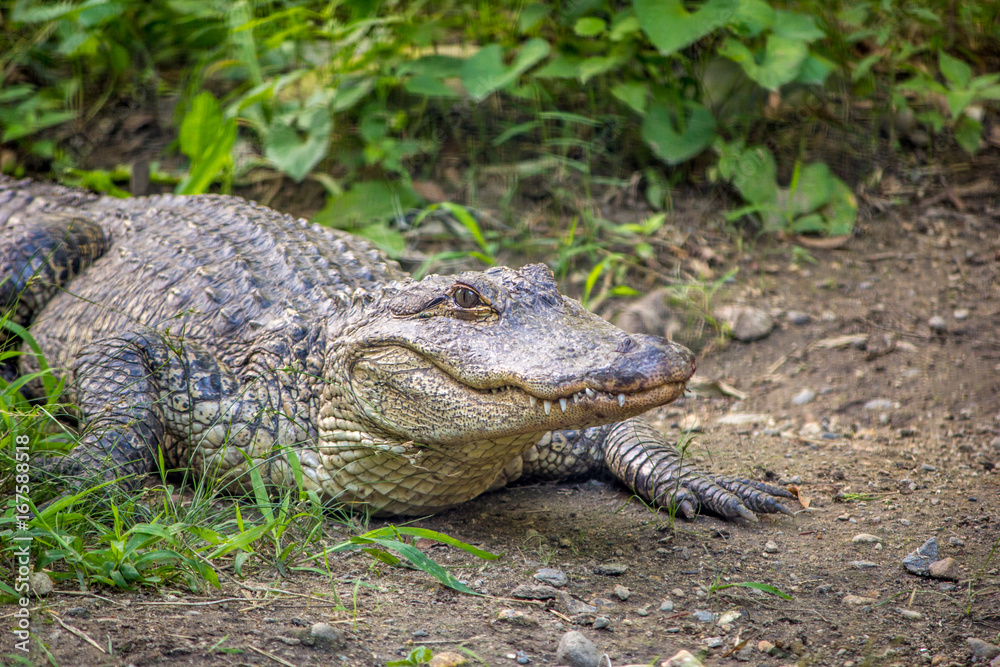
589	395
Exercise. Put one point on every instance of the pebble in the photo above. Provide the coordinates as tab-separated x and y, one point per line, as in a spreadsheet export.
918	562
40	583
946	568
728	617
857	600
910	614
622	593
682	659
552	576
863	564
576	650
705	616
515	617
714	642
602	622
982	650
880	404
667	605
746	323
321	634
798	318
956	541
961	314
575	606
611	569
643	611
530	592
677	592
803	397
448	659
937	324
865	538
522	658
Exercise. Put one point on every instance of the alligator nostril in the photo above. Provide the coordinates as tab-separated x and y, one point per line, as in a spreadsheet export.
625	346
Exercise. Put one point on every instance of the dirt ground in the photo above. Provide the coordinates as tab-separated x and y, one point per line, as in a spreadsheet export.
899	442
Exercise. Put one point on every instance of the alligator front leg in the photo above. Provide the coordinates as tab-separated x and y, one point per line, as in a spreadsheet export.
654	469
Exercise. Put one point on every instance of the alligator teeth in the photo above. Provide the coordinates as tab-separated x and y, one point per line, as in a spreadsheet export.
562	404
621	400
590	392
547	406
576	397
532	400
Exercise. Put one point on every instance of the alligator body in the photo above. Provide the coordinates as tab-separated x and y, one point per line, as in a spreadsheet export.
221	335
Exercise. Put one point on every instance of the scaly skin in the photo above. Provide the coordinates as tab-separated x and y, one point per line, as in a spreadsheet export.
225	335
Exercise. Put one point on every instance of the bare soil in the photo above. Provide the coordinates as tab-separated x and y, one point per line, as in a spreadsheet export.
920	464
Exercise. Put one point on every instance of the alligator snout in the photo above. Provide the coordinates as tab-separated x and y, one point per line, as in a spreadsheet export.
643	362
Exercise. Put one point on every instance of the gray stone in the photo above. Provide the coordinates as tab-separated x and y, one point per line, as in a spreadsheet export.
798	318
803	397
982	650
667	605
611	569
937	324
576	650
602	622
865	538
515	617
622	593
40	582
324	635
574	605
529	592
682	659
863	565
919	562
705	616
746	323
552	576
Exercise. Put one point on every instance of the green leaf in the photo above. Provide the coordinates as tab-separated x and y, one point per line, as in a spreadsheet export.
589	26
841	212
484	73
624	25
968	134
367	202
783	58
296	152
766	588
958	100
531	16
814	70
389	240
670	27
207	140
429	86
754	17
797	26
634	94
674	138
812	189
956	71
560	67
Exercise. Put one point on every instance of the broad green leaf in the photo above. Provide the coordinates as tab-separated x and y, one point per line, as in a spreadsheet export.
295	151
812	189
388	240
591	67
634	94
796	26
958	100
670	27
351	93
754	17
437	66
958	72
814	70
783	58
366	203
560	67
624	25
484	73
589	26
842	210
429	86
676	139
968	134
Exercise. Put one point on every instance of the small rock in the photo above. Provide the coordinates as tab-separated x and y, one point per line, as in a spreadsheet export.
946	568
956	541
574	605
448	659
844	517
857	600
745	654
961	314
863	564
681	659
728	617
865	538
918	562
678	592
576	650
880	404
803	397
611	569
552	576
714	642
705	616
910	614
289	641
746	322
770	547
602	622
530	592
798	318
324	635
643	611
765	646
515	617
40	583
420	633
982	650
667	605
622	593
927	467
937	324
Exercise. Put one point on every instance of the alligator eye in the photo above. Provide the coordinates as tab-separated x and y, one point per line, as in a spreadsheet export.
466	298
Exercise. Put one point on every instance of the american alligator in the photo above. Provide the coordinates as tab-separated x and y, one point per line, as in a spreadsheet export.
222	335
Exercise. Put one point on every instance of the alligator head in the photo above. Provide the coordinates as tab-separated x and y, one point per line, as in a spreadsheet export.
484	356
